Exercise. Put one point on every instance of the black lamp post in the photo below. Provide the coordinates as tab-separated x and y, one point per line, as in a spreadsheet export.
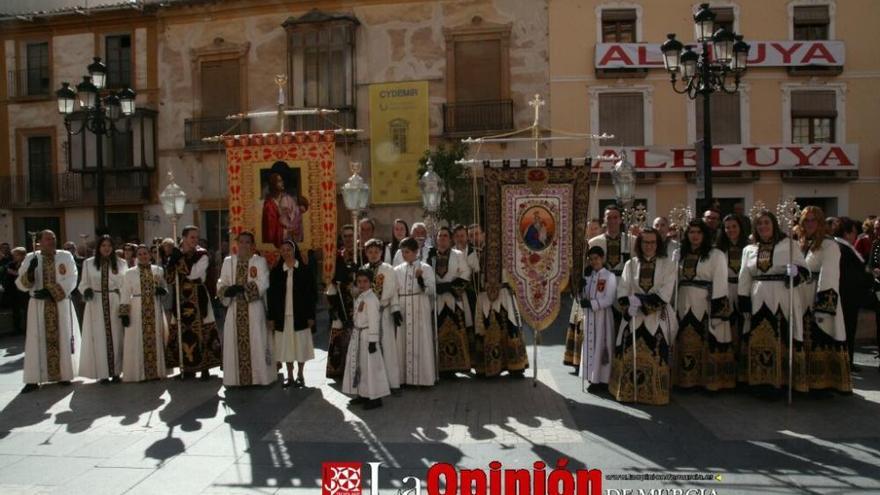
703	75
100	119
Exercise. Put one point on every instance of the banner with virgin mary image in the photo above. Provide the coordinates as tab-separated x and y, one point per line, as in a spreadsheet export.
532	215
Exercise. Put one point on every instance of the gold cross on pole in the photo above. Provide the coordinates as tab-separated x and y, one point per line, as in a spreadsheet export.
536	103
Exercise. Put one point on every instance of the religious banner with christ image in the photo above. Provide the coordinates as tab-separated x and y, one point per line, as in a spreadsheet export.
283	187
532	215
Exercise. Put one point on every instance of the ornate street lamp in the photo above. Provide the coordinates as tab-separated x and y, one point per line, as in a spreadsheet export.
703	76
101	118
623	176
173	201
431	186
356	196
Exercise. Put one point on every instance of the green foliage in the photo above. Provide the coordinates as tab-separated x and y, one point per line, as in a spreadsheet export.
456	203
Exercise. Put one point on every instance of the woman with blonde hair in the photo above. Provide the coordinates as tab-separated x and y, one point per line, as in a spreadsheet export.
824	330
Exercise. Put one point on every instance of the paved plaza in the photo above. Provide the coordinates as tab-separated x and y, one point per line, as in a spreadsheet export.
196	437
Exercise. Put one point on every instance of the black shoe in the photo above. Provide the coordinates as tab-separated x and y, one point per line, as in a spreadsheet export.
357	400
517	374
105	381
64	383
116	379
300	382
30	387
287	383
187	375
855	368
373	404
206	375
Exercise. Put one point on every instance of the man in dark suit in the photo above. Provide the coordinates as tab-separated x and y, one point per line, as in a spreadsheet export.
855	282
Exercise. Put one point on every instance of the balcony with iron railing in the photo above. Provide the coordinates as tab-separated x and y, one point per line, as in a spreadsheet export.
477	118
75	189
194	130
29	83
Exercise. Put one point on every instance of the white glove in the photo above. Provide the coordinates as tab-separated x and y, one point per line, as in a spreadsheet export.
632	310
634	302
791	270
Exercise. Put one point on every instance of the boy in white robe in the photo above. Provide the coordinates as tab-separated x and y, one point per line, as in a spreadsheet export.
416	336
598	294
365	374
51	349
247	355
385	287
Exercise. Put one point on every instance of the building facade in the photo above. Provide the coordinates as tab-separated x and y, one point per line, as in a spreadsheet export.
800	124
194	63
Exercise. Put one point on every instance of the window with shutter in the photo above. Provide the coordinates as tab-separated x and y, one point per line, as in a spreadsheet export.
619	26
723	18
811	22
725	118
813	116
39	161
37	69
623	115
118	60
220	99
320	68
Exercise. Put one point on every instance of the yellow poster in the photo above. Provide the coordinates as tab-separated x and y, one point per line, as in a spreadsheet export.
398	138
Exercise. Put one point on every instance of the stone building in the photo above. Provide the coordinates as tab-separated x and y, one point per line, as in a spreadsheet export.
192	63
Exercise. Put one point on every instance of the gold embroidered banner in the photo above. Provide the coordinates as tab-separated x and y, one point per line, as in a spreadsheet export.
531	217
283	186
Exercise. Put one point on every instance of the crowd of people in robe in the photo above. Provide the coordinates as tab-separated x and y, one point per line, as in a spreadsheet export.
402	314
714	304
709	305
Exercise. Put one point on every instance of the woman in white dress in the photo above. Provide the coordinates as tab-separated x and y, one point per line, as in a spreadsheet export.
767	266
143	316
824	329
291	299
703	352
101	357
365	375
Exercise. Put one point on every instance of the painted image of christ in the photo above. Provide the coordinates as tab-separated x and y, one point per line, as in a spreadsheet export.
283	207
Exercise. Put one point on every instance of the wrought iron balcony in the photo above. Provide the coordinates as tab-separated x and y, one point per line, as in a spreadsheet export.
196	129
475	118
32	82
74	189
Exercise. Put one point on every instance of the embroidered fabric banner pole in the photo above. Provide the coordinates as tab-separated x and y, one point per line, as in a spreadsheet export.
536	219
283	186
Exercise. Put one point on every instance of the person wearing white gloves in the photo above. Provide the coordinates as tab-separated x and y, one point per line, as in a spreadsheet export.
644	294
768	267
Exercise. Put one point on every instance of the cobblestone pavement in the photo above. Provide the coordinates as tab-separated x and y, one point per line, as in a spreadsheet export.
197	437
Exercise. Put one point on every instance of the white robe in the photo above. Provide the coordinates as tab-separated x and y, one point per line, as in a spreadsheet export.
417	339
365	373
93	358
262	361
824	264
35	362
662	320
696	299
133	359
600	289
457	268
771	293
389	303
